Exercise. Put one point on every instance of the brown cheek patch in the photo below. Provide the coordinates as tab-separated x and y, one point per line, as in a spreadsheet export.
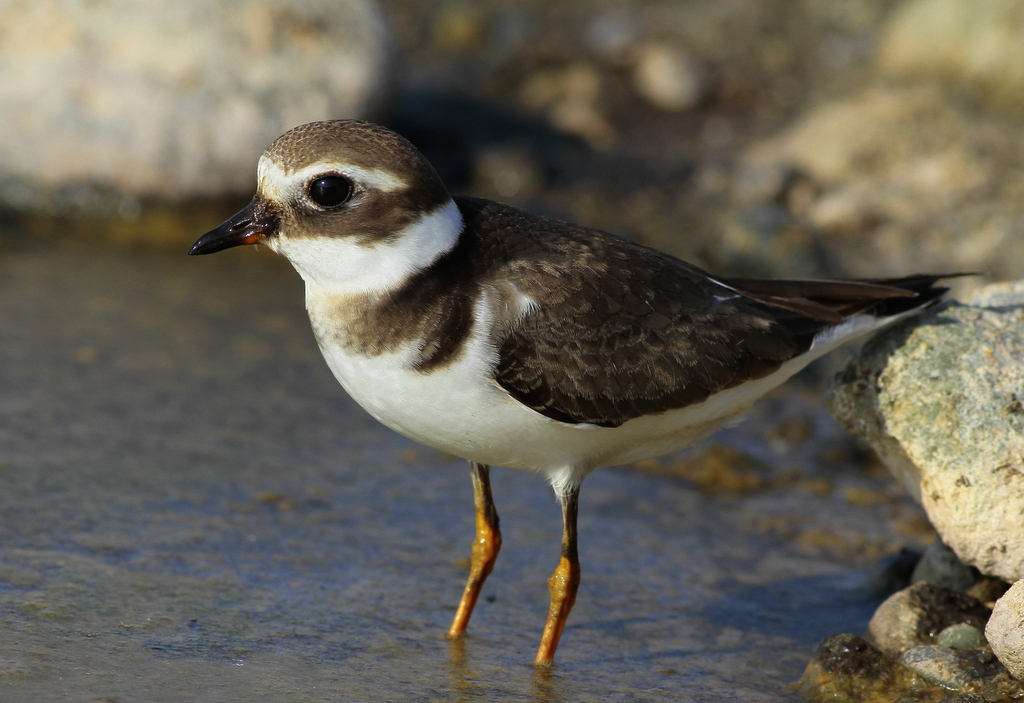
379	217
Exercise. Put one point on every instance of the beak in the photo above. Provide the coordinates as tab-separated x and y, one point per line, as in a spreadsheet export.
250	225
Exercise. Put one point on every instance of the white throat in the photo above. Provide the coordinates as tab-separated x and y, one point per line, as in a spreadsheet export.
343	266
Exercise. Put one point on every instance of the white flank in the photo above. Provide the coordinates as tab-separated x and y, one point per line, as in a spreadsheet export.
342	266
852	328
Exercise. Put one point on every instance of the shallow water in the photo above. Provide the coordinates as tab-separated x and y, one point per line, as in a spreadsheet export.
190	503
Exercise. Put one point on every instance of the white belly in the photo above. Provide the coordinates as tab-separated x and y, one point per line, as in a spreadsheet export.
453	408
459	410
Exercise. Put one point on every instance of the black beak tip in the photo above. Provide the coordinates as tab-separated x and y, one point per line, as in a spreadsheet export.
206	243
247	226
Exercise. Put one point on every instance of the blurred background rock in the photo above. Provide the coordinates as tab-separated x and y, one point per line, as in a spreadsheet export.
759	137
112	110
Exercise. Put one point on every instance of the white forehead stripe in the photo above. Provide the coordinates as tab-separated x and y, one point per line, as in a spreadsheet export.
275	181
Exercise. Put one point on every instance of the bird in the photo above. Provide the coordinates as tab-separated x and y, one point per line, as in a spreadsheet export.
515	340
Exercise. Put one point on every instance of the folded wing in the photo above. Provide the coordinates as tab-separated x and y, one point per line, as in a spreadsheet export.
618	331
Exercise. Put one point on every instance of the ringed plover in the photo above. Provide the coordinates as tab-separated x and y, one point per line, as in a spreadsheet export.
516	340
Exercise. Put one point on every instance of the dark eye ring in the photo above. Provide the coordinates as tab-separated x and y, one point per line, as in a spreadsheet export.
329	191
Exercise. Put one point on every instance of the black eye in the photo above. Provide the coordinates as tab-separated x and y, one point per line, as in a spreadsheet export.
328	191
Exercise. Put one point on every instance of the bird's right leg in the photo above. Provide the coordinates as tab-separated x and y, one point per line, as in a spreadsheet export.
485	547
564	583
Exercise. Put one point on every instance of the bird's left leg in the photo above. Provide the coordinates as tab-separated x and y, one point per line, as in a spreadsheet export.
564	583
485	547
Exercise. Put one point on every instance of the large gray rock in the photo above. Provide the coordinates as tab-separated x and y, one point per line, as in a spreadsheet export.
172	98
941	399
1005	630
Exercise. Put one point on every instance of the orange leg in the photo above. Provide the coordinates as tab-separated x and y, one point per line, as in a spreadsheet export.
563	584
485	547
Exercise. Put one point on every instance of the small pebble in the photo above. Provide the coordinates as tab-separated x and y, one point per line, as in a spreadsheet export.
667	78
940	566
960	636
957	670
939	665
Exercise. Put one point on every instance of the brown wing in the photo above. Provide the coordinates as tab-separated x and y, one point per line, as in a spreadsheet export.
620	330
620	345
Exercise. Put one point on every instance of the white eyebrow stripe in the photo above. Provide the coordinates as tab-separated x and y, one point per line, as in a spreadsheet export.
376	178
274	180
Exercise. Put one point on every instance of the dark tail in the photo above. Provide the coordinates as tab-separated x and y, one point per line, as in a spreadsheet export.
806	307
832	301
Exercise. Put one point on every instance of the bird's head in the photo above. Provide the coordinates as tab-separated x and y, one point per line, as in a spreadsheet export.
351	204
